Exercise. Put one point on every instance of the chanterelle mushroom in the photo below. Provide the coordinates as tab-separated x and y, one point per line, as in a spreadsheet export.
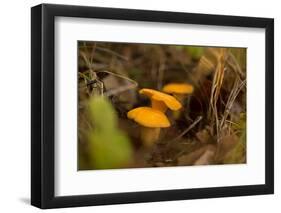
151	121
161	101
179	90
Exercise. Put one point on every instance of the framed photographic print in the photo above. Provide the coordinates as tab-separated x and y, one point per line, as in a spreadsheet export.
140	106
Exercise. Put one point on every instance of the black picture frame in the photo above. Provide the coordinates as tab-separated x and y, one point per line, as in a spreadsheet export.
43	102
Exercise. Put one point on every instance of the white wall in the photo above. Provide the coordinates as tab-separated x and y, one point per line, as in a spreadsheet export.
15	105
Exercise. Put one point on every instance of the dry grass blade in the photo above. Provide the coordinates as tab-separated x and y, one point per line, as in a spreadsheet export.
238	85
112	52
216	88
233	63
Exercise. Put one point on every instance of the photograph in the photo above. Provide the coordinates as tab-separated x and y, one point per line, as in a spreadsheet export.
160	105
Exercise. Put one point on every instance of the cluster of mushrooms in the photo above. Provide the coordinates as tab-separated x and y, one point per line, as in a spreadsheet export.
153	118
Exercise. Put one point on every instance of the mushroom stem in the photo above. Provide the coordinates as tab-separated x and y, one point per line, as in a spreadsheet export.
149	136
158	105
180	98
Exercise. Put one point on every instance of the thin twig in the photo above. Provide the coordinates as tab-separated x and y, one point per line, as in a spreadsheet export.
123	88
92	54
198	119
236	64
112	52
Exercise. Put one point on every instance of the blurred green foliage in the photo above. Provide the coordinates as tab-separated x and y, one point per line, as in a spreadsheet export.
194	52
238	154
102	114
109	147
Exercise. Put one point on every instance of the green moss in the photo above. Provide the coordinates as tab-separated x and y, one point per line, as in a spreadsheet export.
238	154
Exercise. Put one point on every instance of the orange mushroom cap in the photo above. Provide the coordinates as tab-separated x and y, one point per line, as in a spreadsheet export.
171	102
178	88
148	117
